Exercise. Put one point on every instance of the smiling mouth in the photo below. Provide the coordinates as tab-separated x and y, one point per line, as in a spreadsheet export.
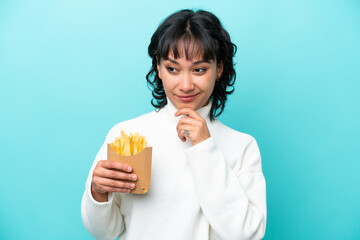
187	98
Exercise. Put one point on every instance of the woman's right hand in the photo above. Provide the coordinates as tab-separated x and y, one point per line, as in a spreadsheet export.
111	176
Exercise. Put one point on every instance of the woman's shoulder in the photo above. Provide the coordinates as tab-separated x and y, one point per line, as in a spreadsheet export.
237	146
224	132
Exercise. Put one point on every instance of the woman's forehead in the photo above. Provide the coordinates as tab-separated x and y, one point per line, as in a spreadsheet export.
190	56
181	59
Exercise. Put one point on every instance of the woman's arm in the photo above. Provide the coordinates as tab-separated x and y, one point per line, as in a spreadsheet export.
103	220
233	201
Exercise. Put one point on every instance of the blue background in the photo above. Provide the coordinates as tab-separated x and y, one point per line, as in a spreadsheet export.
70	70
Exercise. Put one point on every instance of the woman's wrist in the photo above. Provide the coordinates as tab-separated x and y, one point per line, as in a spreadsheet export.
99	197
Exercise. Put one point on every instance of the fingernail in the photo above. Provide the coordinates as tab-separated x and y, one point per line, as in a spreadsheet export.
132	185
133	177
129	169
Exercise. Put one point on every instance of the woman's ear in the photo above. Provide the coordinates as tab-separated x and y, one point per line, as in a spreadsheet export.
220	69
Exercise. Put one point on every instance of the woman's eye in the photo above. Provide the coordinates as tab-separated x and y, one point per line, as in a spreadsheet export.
200	70
171	69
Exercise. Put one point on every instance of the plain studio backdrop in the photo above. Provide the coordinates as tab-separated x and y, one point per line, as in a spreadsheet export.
70	70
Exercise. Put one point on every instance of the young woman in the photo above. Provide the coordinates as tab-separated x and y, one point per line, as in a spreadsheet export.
206	179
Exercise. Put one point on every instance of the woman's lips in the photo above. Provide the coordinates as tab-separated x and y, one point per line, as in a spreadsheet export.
188	98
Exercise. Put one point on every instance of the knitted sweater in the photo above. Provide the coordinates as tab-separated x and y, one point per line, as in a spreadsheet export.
213	190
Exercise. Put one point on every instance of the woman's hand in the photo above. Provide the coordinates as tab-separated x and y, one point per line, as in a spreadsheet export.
193	126
111	176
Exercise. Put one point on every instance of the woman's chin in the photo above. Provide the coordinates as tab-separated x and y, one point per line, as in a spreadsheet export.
192	103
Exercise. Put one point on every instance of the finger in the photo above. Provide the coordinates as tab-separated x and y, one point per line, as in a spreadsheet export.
114	174
109	164
182	130
186	131
188	112
190	121
105	183
194	125
104	189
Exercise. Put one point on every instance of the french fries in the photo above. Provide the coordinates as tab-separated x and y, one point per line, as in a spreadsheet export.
129	145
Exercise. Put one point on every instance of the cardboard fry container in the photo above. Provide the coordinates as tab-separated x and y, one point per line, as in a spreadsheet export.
141	166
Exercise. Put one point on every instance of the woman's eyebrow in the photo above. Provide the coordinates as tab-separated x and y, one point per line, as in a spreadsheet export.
171	60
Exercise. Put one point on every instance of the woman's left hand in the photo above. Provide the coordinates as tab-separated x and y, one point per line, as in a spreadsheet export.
192	126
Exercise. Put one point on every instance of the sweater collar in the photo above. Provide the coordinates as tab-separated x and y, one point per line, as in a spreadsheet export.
204	111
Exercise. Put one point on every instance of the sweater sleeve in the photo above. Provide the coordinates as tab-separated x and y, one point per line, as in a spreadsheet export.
233	201
102	220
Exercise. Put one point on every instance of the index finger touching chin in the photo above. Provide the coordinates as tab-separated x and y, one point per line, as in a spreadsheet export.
188	112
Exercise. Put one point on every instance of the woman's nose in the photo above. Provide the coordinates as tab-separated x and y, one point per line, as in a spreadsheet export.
186	84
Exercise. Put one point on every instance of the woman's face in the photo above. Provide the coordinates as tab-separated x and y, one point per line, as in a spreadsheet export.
188	83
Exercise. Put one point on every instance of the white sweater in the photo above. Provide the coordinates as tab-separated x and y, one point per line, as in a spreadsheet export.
213	190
